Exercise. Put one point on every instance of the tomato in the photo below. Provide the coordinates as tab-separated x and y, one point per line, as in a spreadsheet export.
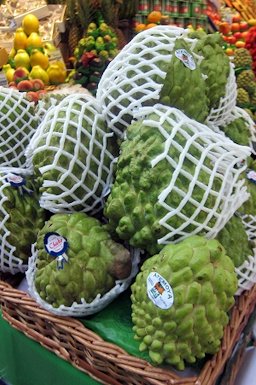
235	27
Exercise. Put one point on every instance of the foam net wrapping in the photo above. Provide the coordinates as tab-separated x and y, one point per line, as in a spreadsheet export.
18	123
83	308
246	273
52	98
237	113
71	154
205	180
9	260
223	114
135	76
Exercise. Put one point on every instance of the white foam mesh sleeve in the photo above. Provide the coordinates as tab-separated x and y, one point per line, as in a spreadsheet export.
83	308
18	123
223	113
135	76
218	160
78	171
9	260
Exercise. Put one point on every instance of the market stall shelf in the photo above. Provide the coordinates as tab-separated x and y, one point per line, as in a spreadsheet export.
72	341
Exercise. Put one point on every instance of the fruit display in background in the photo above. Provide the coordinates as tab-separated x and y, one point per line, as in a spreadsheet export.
93	54
94	262
234	33
246	80
251	45
31	53
180	301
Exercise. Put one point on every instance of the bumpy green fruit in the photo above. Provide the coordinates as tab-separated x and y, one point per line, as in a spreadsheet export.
238	131
18	123
94	262
26	217
180	301
215	65
234	239
72	160
180	78
133	207
249	206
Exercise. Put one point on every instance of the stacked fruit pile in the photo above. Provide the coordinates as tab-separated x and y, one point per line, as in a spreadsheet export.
93	54
150	165
30	58
246	80
234	33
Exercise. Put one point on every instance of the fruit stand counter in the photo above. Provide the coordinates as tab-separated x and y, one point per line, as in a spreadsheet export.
25	362
86	351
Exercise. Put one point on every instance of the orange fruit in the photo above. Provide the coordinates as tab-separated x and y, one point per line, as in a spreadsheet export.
34	40
140	27
154	17
39	58
30	23
20	39
150	25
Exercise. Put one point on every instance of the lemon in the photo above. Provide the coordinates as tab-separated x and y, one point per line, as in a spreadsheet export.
9	74
30	23
20	39
38	58
57	75
34	40
38	72
21	59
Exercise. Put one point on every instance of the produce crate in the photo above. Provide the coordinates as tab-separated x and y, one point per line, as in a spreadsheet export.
109	364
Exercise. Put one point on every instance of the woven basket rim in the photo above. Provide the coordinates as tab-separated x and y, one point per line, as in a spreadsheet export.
17	306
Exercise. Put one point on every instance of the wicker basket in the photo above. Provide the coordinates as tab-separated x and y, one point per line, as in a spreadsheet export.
104	361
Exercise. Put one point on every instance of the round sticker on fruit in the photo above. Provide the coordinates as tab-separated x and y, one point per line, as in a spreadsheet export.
251	175
186	58
159	291
15	180
55	244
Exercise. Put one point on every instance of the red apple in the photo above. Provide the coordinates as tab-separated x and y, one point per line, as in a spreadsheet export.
25	85
224	27
236	18
237	35
231	39
235	27
245	34
20	73
243	26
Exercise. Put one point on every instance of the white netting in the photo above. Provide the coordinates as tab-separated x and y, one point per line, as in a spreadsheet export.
135	76
72	150
82	309
18	123
9	260
246	273
205	181
52	98
237	113
221	115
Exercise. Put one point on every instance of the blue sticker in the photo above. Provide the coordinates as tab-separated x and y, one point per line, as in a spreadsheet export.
55	244
15	180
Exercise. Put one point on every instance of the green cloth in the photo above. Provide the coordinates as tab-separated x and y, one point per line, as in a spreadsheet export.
24	361
114	324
